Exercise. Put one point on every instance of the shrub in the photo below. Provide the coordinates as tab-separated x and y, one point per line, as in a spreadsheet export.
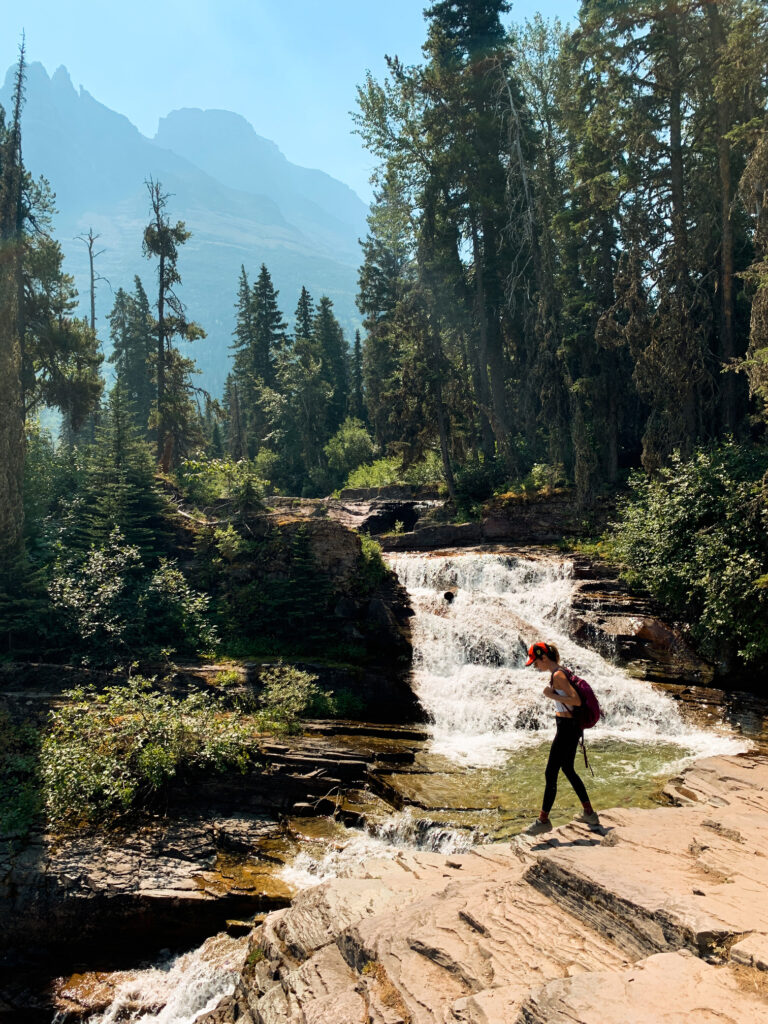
389	470
174	614
116	608
207	481
287	694
476	482
227	677
696	537
346	703
545	476
372	568
20	800
107	754
350	446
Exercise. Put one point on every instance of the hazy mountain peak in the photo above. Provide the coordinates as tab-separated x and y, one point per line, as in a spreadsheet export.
211	123
243	200
61	79
226	146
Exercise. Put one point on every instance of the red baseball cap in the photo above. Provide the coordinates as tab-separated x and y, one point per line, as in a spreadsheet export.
536	651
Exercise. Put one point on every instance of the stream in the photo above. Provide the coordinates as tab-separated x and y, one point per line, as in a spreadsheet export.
479	777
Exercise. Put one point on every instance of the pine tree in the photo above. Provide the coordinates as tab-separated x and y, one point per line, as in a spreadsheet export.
171	408
304	315
243	343
268	328
119	489
132	344
331	349
356	397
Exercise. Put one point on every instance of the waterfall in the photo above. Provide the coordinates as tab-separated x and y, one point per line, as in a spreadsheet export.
179	989
470	652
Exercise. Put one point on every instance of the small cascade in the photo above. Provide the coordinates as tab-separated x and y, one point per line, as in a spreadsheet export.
476	614
177	990
383	840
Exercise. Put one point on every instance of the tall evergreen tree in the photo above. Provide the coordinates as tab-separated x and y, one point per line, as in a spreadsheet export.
304	315
356	395
331	351
119	490
259	338
162	241
131	333
11	329
268	328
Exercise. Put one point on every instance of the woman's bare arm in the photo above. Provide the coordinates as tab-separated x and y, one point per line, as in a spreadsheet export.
569	696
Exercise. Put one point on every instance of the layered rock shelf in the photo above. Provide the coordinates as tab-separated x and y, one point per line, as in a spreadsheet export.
662	915
216	853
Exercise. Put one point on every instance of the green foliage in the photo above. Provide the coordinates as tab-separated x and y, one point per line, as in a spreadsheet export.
116	608
227	677
118	490
476	482
209	481
373	570
20	801
110	753
133	342
696	537
287	694
544	477
351	446
269	594
345	703
390	470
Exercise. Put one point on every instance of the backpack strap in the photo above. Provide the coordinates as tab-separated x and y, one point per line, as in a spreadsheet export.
584	752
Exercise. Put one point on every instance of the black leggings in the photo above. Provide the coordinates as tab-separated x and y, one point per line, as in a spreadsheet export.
561	755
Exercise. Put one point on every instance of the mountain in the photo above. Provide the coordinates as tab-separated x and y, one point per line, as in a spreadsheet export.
243	201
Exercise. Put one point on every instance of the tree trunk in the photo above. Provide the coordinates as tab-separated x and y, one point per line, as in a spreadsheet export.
442	419
11	335
729	398
161	440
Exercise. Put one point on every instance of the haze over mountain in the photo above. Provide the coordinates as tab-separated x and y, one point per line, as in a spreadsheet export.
243	201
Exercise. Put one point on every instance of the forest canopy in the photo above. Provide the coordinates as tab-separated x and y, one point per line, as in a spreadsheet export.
564	280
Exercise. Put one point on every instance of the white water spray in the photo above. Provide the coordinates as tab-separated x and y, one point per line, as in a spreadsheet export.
402	831
469	657
181	989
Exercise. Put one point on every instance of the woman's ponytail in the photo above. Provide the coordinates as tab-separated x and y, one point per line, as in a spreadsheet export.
552	653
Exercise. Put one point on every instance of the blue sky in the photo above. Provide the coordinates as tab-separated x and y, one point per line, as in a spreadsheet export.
289	66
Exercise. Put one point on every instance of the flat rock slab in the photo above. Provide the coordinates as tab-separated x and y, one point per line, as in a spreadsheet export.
661	917
679	877
669	988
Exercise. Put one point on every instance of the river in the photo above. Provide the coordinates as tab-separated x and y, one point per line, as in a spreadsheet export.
479	776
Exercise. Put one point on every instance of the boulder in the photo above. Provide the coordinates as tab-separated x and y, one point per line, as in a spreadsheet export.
625	627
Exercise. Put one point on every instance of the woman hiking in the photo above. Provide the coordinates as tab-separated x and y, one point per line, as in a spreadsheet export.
545	658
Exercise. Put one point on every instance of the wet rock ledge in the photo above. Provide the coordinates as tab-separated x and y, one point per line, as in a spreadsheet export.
662	917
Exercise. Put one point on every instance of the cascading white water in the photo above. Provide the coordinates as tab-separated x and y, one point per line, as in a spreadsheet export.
180	989
404	830
469	657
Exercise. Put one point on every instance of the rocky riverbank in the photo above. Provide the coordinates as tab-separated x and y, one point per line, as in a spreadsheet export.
662	915
215	854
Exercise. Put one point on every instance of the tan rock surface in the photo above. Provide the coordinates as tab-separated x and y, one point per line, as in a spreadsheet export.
662	917
669	988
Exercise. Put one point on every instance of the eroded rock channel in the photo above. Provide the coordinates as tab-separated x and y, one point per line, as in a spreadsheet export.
406	904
